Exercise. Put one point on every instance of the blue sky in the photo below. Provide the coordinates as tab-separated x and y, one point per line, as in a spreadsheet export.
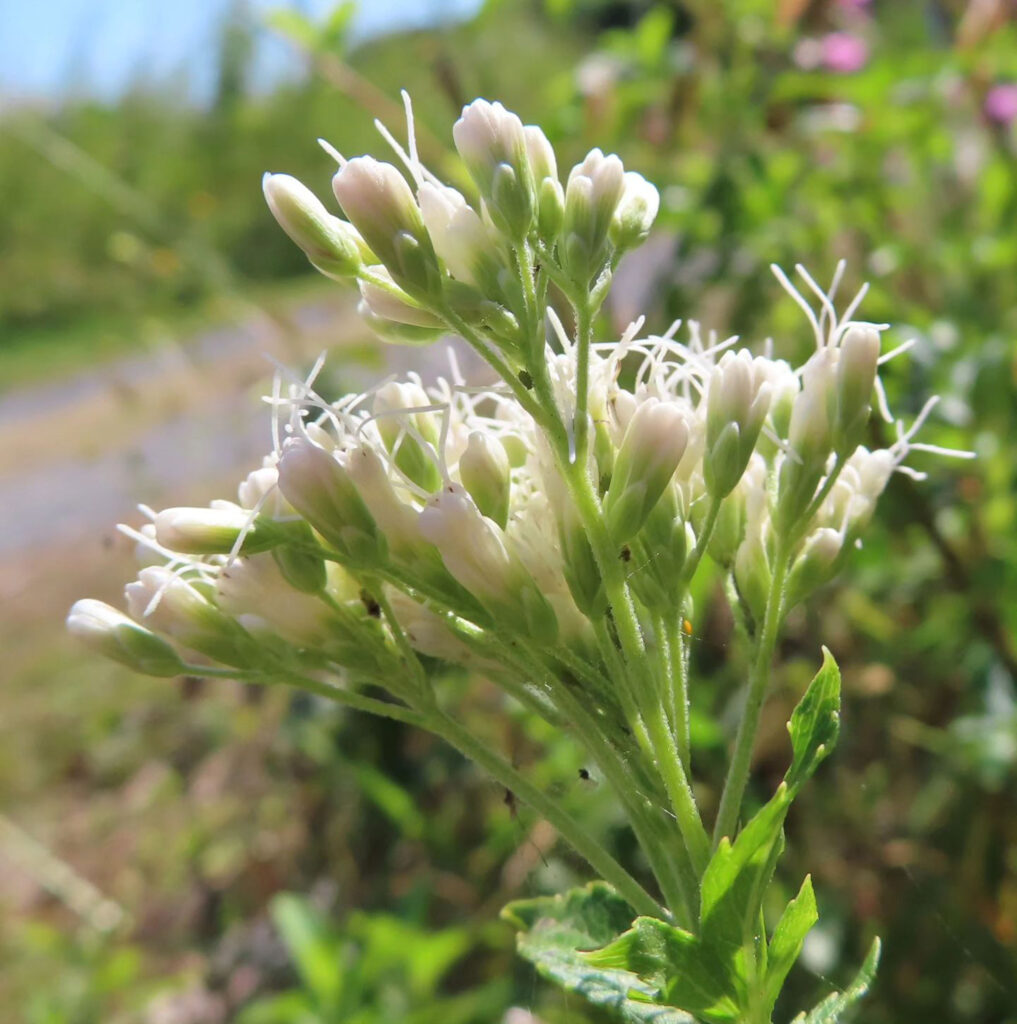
48	47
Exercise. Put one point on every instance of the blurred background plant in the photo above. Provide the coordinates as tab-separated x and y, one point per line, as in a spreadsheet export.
149	830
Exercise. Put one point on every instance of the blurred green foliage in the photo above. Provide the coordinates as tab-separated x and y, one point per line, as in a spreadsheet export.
772	141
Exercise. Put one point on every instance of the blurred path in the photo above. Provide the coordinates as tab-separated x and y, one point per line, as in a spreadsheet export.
177	425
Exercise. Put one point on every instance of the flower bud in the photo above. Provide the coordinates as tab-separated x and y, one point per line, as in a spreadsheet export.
411	438
113	634
635	213
256	587
318	486
858	359
651	449
427	631
816	564
393	333
260	490
465	244
737	401
550	209
391	303
380	203
301	566
810	436
214	531
591	197
659	554
540	152
178	608
332	245
484	472
493	145
752	573
474	551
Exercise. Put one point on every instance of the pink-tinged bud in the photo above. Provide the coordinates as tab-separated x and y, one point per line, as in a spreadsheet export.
484	471
492	144
858	360
654	443
318	486
474	551
427	631
388	301
393	333
176	607
592	194
255	591
635	213
465	244
332	245
379	202
737	401
112	634
411	437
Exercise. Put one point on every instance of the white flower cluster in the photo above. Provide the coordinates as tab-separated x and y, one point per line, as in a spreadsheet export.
468	524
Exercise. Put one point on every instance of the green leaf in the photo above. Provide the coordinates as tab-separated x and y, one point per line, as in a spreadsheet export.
815	724
556	931
830	1009
737	875
786	944
677	964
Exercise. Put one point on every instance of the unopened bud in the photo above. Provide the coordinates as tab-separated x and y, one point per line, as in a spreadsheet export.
484	471
810	436
659	554
318	486
257	587
493	145
737	402
180	609
474	551
114	635
591	197
388	301
332	245
214	531
393	333
380	203
466	245
635	213
653	445
816	564
409	429
752	574
856	376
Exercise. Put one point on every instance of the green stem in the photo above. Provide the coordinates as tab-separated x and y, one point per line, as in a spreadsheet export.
669	764
701	543
741	760
679	690
581	424
584	843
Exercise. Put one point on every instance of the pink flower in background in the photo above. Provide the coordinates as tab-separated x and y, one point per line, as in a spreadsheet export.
844	53
1001	103
854	5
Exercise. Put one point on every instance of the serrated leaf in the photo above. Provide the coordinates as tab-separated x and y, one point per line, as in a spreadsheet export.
556	931
683	970
786	944
830	1009
815	724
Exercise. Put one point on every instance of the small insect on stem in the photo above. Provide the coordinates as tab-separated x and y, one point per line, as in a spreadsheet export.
526	379
509	800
